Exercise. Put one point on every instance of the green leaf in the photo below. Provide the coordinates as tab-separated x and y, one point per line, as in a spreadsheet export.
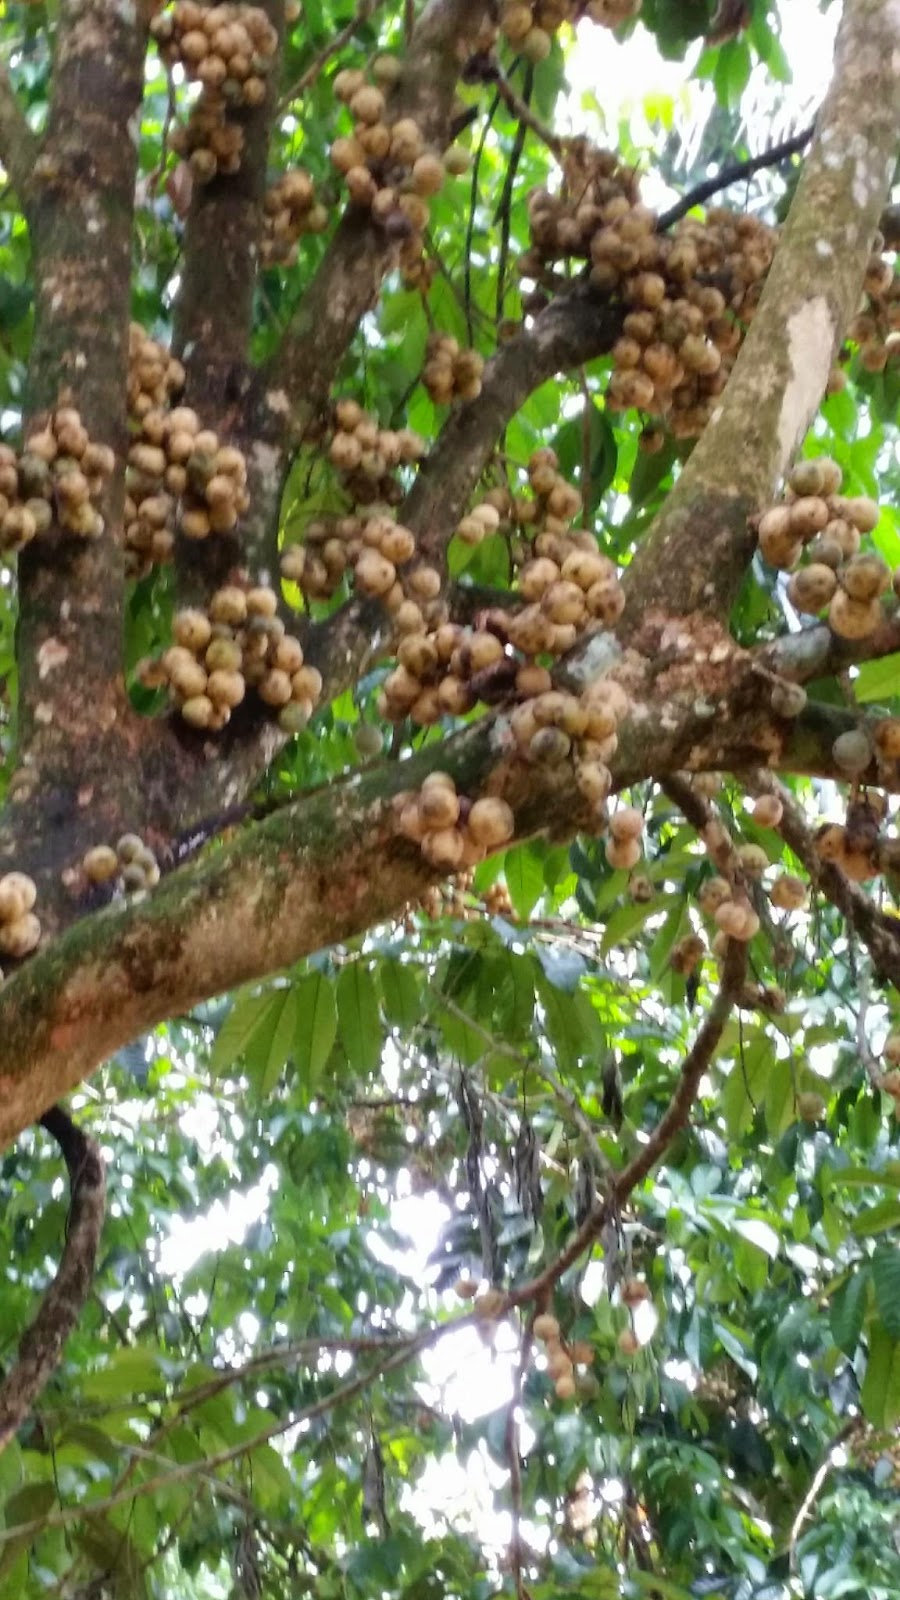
269	1046
848	1307
237	1030
464	1042
401	993
877	1219
877	680
316	1027
358	1019
130	1371
880	1393
886	1278
524	872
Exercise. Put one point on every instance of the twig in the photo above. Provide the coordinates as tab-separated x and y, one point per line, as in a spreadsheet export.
522	110
362	14
812	1493
733	174
514	1461
879	933
503	213
42	1343
473	207
186	1469
672	1121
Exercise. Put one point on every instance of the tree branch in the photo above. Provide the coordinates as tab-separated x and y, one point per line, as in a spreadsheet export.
696	552
42	1343
18	145
321	870
214	310
735	173
879	933
817	652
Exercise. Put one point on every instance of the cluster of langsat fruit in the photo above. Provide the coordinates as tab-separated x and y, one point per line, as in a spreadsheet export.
855	844
58	477
876	326
552	726
154	374
179	475
529	28
237	643
729	908
561	1357
20	930
229	49
456	898
387	166
563	578
690	293
450	373
131	863
208	141
290	209
827	527
374	548
367	456
451	830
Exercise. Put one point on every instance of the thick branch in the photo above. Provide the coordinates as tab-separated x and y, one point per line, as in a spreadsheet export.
214	309
331	865
699	547
73	713
817	652
212	332
18	145
42	1344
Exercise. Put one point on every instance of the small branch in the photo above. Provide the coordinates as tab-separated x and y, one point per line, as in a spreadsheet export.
513	1459
42	1343
18	145
362	14
527	118
879	933
813	1492
672	1121
734	174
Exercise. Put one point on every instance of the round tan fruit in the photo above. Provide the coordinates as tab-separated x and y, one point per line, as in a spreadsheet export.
491	823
